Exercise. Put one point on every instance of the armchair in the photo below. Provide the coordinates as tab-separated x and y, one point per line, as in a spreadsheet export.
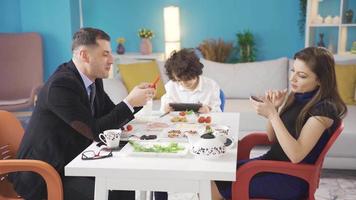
309	172
21	69
11	133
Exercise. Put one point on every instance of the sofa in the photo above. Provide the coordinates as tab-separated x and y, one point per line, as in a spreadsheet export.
239	81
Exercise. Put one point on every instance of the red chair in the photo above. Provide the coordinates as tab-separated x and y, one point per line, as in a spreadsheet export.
308	172
11	133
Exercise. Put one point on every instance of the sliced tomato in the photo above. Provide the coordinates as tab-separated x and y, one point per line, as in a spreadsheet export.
208	119
182	113
201	119
129	127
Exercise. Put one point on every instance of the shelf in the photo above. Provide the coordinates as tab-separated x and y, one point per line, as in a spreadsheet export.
139	56
337	37
348	25
324	25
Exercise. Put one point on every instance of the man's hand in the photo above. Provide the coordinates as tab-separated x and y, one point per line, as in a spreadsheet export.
140	94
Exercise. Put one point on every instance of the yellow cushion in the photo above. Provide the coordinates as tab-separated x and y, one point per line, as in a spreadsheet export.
136	73
346	80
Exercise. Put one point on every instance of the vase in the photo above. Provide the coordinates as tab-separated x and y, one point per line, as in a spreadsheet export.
120	49
146	46
321	40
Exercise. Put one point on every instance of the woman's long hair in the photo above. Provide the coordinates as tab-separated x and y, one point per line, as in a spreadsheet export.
321	62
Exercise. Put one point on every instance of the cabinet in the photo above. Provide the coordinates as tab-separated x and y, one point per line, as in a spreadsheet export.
131	57
327	19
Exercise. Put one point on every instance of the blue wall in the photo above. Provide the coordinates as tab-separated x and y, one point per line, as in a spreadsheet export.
10	17
54	20
274	23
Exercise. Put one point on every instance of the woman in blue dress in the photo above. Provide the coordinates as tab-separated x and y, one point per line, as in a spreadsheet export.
299	123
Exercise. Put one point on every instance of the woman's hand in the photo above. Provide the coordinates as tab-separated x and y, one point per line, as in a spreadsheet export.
276	97
265	108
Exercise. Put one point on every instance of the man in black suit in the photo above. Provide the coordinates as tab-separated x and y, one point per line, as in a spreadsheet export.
72	109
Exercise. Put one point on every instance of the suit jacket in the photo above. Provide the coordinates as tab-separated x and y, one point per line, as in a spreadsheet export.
62	125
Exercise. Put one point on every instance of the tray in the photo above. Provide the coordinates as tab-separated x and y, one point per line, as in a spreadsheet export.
129	149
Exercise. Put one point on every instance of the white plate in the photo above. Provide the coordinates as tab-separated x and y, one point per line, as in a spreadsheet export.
129	150
184	129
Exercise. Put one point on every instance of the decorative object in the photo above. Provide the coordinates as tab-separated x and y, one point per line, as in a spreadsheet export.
120	49
216	50
321	40
171	29
246	46
318	20
146	45
353	48
302	14
328	20
348	16
331	47
336	20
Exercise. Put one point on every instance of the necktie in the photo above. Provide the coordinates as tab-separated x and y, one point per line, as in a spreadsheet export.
92	97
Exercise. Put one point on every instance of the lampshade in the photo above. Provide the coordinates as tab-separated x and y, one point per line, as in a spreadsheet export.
171	29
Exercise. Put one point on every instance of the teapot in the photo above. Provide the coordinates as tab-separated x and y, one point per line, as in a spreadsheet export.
209	145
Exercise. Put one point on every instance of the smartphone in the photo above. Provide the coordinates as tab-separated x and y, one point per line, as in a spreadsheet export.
256	99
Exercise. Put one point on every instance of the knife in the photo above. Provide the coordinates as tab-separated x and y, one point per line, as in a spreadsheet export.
164	114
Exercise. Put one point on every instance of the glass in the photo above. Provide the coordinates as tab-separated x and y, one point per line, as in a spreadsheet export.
91	155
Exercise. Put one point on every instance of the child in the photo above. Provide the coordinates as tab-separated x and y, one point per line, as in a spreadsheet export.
187	85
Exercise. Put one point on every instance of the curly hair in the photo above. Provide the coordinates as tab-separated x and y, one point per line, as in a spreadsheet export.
184	65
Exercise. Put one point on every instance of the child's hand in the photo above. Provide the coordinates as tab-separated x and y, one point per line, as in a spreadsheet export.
204	109
168	108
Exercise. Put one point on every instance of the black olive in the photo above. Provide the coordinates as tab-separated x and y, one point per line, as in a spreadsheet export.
207	136
228	142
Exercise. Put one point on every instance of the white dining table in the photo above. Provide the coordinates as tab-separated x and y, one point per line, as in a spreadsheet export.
156	173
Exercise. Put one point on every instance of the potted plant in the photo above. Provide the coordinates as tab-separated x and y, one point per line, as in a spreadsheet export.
216	50
146	36
246	46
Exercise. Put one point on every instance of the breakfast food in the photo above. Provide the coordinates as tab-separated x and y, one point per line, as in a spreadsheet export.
191	132
203	119
129	127
174	133
157	125
179	119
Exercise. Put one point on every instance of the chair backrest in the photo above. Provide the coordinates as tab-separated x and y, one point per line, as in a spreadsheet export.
334	136
222	99
21	61
11	133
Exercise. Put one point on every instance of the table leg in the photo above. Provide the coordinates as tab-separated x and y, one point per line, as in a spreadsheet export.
205	190
143	195
101	192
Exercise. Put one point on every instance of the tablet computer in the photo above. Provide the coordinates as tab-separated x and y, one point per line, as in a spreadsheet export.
185	106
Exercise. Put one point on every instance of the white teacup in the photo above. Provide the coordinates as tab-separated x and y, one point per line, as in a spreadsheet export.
111	138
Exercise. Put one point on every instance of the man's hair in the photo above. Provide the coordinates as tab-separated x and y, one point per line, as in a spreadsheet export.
88	37
183	65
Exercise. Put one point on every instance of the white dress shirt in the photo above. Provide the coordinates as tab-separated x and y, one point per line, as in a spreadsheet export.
207	92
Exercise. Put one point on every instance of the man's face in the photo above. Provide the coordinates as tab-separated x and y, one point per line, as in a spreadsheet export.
100	60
